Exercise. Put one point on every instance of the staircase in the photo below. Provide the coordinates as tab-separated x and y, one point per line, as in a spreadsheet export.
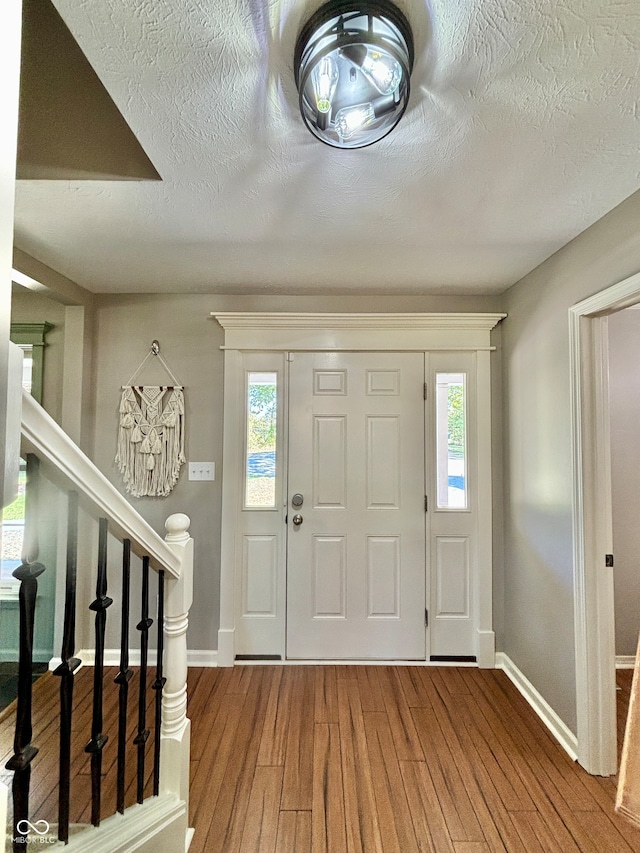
101	526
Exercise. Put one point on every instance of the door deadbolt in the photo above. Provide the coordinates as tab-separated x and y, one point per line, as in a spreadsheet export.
297	500
297	520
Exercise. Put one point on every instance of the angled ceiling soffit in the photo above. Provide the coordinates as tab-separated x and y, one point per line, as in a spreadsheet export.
69	127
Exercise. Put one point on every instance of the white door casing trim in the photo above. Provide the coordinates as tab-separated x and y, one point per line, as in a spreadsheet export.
282	332
592	535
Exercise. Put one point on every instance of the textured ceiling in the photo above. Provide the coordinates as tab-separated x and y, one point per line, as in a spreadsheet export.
523	128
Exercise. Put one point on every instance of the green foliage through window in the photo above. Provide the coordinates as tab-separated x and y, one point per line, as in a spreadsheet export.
261	432
455	406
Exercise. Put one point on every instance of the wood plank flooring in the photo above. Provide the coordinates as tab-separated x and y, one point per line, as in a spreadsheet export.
355	759
46	737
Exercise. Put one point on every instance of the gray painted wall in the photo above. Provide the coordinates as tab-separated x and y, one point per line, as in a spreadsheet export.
624	401
189	342
538	579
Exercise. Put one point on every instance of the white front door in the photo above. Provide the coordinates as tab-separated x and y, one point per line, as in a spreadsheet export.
356	515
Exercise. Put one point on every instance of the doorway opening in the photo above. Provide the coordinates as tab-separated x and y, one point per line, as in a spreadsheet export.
592	525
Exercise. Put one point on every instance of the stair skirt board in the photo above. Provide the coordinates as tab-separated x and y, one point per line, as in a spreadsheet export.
159	825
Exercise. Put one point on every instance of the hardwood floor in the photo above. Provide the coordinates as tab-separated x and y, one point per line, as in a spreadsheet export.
356	759
345	759
46	736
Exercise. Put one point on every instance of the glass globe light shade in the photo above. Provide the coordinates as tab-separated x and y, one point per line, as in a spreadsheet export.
352	64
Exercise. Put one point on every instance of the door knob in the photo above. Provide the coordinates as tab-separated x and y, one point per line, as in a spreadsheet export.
297	520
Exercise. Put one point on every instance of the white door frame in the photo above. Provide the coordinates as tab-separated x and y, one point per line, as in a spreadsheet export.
282	332
592	523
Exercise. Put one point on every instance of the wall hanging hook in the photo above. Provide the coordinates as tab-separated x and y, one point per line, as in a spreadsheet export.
155	350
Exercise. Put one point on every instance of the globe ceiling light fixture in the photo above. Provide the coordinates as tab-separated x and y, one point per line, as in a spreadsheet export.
352	63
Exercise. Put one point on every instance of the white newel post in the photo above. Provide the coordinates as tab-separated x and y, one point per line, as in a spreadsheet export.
176	727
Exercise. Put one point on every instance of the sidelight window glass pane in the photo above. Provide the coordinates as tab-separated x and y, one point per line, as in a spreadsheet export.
451	440
262	407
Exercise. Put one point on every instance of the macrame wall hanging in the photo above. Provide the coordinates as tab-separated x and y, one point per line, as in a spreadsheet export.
151	434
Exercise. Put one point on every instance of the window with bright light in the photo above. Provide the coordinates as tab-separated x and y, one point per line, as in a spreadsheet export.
260	462
451	441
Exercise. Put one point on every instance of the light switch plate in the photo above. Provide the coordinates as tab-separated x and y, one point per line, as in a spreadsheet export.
202	470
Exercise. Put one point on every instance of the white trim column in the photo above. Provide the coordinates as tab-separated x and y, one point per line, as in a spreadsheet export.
231	481
592	536
486	646
10	28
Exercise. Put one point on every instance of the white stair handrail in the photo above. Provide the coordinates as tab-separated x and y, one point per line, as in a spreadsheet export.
66	465
160	825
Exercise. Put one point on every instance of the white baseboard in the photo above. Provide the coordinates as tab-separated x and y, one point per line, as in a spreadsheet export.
202	657
625	661
486	649
195	657
561	732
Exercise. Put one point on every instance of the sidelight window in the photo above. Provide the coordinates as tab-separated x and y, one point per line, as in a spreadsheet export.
260	459
451	440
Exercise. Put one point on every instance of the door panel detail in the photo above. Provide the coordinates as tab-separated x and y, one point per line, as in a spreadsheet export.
452	576
259	565
383	565
329	573
330	382
383	462
383	382
329	462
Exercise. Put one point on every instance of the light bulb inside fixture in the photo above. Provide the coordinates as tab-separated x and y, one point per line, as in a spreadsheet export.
350	120
381	69
325	79
352	64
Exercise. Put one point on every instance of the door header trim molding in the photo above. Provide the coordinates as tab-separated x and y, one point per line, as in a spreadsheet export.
282	331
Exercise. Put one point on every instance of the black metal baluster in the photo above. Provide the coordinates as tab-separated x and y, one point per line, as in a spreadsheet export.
23	751
98	739
158	685
143	626
124	675
67	667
